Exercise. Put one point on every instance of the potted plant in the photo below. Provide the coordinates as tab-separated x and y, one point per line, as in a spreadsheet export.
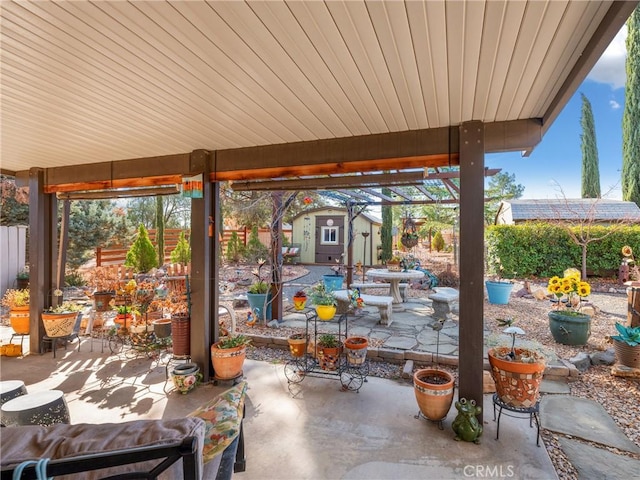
568	325
59	321
22	278
434	388
105	282
627	345
324	301
517	371
299	300
329	349
297	344
124	316
227	356
17	301
393	264
258	295
356	349
335	280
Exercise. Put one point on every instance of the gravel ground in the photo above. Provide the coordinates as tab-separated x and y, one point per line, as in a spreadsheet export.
619	396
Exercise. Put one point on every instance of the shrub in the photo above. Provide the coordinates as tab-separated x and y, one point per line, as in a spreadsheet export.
235	249
438	242
255	248
182	253
142	255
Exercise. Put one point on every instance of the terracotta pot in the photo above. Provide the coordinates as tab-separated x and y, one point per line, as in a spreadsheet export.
297	346
393	266
181	335
626	354
517	383
101	301
356	348
329	358
227	362
19	317
58	324
325	312
434	398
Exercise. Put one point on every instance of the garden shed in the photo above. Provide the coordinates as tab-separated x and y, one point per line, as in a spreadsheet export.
598	210
322	234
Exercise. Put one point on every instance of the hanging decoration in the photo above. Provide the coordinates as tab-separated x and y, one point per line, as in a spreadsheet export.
192	186
409	238
307	232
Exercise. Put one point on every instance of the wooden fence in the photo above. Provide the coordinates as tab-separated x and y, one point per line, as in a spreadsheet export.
116	255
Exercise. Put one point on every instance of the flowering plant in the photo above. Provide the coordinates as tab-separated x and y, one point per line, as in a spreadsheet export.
260	285
570	286
634	270
16	298
338	268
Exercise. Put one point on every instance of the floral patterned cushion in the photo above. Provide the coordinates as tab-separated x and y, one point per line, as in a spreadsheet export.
222	416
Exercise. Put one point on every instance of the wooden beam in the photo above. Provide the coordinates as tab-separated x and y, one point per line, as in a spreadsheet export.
153	181
471	264
120	193
319	183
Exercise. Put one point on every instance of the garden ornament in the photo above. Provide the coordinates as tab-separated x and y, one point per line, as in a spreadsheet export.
466	424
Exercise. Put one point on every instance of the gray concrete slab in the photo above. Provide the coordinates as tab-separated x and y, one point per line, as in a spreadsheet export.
554	386
592	462
583	418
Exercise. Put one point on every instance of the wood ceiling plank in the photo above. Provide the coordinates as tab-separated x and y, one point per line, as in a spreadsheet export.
474	14
437	31
315	19
455	58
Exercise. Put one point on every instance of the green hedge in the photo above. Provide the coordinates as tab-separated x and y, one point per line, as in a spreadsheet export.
544	250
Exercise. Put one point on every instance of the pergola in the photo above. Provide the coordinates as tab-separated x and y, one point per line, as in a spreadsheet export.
104	95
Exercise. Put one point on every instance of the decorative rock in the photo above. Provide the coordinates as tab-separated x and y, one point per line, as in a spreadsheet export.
407	370
581	361
273	324
608	357
620	370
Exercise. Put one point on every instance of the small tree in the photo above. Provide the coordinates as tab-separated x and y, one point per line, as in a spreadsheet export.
235	249
438	241
160	228
182	253
142	255
255	248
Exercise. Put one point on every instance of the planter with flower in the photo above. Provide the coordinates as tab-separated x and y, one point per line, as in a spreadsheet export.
329	349
627	345
335	280
105	282
568	324
22	278
297	344
259	296
59	321
517	371
324	300
17	301
228	355
300	300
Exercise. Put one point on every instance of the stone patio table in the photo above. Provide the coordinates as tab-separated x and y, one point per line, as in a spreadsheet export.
394	279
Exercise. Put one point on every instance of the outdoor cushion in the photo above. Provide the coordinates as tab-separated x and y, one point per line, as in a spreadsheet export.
223	418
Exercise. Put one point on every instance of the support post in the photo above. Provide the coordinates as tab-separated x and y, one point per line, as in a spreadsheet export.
43	219
203	280
471	265
276	257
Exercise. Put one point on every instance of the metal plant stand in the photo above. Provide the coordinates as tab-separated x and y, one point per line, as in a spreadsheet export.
517	412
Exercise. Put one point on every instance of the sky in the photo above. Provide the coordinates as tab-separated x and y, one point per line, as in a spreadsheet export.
554	168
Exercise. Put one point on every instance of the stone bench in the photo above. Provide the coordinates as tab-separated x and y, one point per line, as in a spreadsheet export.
364	286
442	300
384	304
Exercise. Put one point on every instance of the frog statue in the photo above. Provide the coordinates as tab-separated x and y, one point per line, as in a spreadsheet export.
466	424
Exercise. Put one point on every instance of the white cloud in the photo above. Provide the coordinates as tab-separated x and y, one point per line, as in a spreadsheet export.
614	105
610	67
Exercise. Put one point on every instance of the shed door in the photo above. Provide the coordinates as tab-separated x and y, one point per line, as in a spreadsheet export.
329	238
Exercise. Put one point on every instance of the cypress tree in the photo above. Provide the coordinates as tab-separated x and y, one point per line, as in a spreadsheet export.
590	167
160	228
630	123
386	234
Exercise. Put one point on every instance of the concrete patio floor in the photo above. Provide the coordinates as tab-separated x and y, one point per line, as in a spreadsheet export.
314	431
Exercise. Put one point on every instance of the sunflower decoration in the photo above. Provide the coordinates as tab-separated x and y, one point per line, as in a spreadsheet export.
569	289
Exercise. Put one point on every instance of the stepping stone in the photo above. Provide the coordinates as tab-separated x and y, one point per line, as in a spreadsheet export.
593	462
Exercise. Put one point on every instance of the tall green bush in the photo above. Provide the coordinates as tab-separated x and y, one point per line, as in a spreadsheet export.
438	242
255	248
543	250
235	248
182	252
142	254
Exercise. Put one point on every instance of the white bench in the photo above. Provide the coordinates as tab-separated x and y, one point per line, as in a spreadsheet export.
442	300
364	286
384	303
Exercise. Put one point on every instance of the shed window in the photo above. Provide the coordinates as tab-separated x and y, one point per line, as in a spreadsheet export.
329	236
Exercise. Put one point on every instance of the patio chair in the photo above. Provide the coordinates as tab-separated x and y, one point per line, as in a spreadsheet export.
75	333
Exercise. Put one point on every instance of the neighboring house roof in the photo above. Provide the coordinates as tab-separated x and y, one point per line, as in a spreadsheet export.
596	209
